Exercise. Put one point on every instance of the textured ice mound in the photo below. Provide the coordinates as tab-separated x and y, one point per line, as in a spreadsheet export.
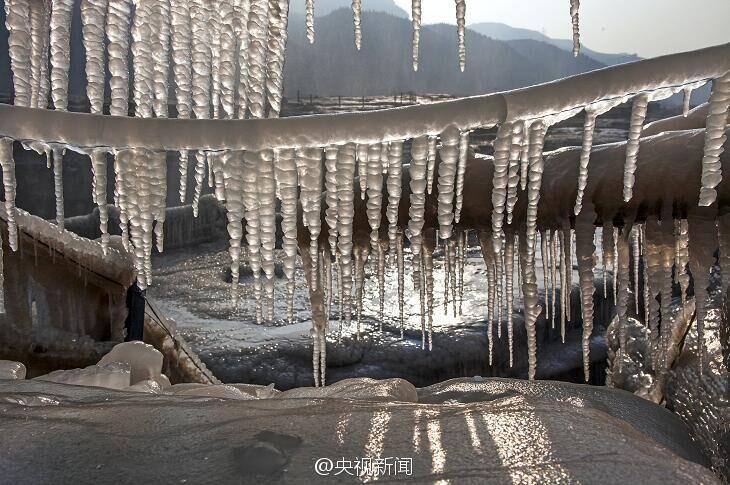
114	375
362	389
11	370
144	360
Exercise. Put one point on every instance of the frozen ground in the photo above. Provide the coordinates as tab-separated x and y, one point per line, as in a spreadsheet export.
471	430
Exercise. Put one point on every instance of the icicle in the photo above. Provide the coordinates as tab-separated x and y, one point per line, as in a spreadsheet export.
460	172
589	126
361	257
8	166
420	286
537	139
702	245
58	184
362	169
615	271
447	170
638	115
253	224
401	281
544	242
463	242
375	193
564	285
310	20
380	253
266	187
623	270
530	301
715	138
357	20
574	15
553	277
98	168
17	20
275	56
461	31
346	214
93	16
454	269
160	45
488	254
39	34
447	275
509	258
2	280
499	271
609	256
513	173
326	260
395	168
687	98
242	11
233	180
201	64
330	183
286	185
142	59
416	22
636	257
431	162
417	172
524	155
200	157
428	278
181	44
585	251
258	26
309	167
117	32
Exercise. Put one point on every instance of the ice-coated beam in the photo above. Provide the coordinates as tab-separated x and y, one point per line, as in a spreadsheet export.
83	130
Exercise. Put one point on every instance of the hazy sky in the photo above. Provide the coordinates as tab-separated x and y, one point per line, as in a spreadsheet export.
645	27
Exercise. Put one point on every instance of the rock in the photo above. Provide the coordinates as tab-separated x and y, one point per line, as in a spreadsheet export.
11	370
144	360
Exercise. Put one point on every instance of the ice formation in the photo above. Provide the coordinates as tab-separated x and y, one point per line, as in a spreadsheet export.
226	61
574	14
357	21
310	20
461	31
416	21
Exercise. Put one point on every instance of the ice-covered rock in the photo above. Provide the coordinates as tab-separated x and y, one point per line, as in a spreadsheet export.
112	375
148	385
143	359
361	389
11	370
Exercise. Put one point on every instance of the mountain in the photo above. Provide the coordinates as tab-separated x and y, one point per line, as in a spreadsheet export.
507	33
333	67
325	7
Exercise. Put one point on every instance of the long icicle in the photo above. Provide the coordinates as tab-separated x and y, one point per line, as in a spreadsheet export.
589	126
357	21
346	215
461	32
715	138
416	22
460	174
447	172
310	20
585	251
393	184
574	16
638	115
93	16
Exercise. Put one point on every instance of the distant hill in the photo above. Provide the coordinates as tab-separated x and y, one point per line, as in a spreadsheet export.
505	32
332	66
325	7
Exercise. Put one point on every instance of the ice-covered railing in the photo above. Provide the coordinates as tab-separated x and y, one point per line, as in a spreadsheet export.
252	162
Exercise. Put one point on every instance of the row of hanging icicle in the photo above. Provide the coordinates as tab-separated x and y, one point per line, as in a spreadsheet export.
416	13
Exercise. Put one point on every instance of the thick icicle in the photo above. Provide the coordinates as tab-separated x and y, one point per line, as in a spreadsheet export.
530	301
310	20
487	247
253	223
447	171
330	184
180	43
361	257
266	187
275	56
432	140
160	45
715	138
39	34
500	180
393	184
61	50
682	258
362	168
461	31
242	11
98	168
609	256
536	167
460	172
286	185
8	166
417	172
258	28
93	16
142	58
118	19
622	269
309	167
375	193
686	99
589	126
346	215
17	20
357	21
513	173
574	15
416	22
585	251
638	115
233	180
